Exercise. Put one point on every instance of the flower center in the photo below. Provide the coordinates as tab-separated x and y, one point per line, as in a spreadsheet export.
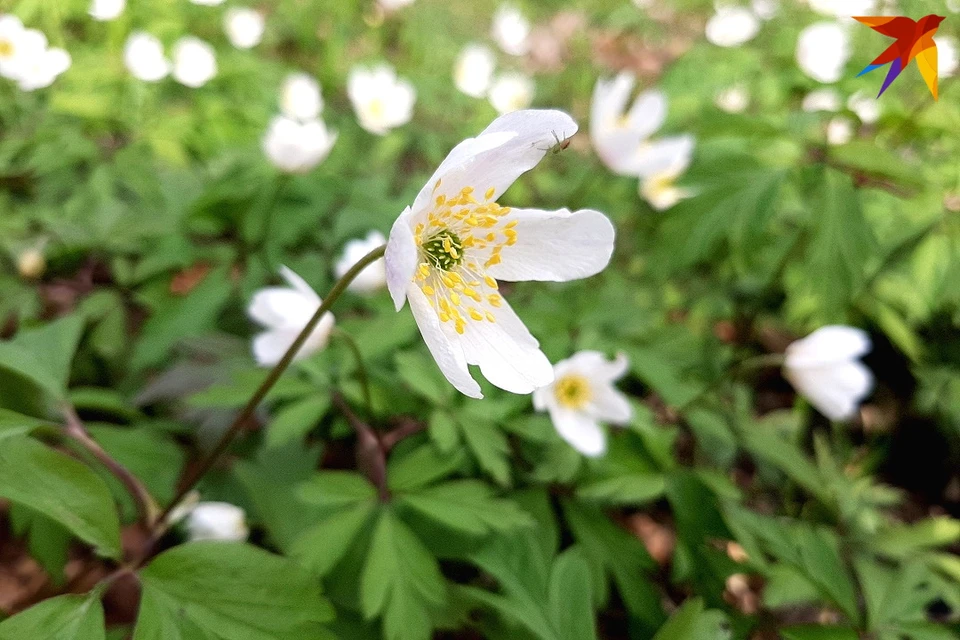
6	48
459	240
573	391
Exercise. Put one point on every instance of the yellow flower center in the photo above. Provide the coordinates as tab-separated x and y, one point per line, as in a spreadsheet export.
376	108
572	391
459	241
659	184
6	48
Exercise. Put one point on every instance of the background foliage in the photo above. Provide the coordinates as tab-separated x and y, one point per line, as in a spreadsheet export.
727	508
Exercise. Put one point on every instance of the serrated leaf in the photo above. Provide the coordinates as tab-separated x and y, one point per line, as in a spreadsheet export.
43	355
421	374
468	506
628	489
421	466
296	419
337	489
692	622
489	446
322	546
71	617
571	611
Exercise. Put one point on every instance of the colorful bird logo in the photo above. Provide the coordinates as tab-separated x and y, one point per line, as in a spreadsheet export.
914	40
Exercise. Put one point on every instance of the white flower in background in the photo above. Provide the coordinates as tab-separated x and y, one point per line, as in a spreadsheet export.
839	131
825	99
581	396
621	139
143	56
300	97
511	30
824	367
733	99
732	26
284	312
217	521
953	5
393	5
473	70
844	8
244	27
511	92
446	253
194	62
104	10
39	65
765	9
948	51
297	147
11	35
374	276
381	100
207	3
823	50
866	107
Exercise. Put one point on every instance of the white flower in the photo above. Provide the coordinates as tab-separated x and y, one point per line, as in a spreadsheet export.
844	8
621	139
393	5
37	64
953	5
866	107
948	51
11	37
300	97
839	131
581	396
104	10
765	9
733	99
732	26
194	63
824	99
511	92
374	276
284	312
207	3
823	50
143	56
446	253
217	521
244	27
824	368
473	71
381	100
510	30
297	147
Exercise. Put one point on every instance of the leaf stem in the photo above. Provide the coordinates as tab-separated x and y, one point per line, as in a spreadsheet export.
361	368
371	456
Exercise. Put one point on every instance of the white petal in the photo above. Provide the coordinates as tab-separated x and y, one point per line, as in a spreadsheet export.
556	246
609	405
299	284
648	113
400	258
269	346
281	308
609	100
595	366
827	345
523	138
836	390
447	352
671	155
580	431
543	397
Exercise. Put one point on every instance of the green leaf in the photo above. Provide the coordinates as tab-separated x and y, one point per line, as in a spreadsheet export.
818	632
692	622
322	546
336	489
61	618
61	488
787	457
571	610
16	424
421	374
296	419
401	580
628	489
422	465
903	540
443	431
43	355
226	591
489	446
467	506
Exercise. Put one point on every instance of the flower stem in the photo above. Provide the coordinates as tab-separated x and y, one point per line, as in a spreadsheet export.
361	368
74	429
247	412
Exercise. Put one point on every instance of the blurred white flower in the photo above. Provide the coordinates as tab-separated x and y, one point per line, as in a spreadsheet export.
143	56
953	5
393	5
766	9
300	97
207	3
582	396
284	312
194	62
473	71
380	99
217	521
844	8
446	253
297	147
621	138
32	263
948	52
511	92
12	45
732	26
40	64
823	50
244	27
511	30
866	107
824	367
839	131
824	99
104	10
733	99
374	276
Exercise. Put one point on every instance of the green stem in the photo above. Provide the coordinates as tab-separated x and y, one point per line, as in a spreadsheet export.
248	410
361	368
